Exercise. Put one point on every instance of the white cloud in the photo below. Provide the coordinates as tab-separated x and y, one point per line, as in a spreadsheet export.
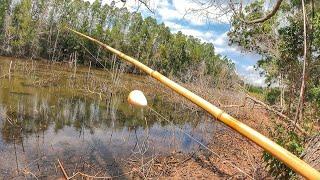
169	14
221	45
175	12
185	7
173	26
227	49
251	76
181	9
219	49
249	68
204	36
221	40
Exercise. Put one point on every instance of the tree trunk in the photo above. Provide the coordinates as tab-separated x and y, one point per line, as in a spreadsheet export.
7	33
299	111
282	88
55	45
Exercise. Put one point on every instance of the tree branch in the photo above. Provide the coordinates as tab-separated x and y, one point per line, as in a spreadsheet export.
268	16
146	5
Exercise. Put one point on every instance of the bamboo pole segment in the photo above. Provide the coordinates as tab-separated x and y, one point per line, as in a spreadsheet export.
276	150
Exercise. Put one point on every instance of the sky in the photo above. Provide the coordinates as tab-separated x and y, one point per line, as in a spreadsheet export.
213	29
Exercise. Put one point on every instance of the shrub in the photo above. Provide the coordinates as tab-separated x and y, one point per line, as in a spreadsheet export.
314	95
272	96
255	89
290	141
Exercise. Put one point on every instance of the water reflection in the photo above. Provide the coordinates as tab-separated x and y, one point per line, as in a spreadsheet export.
42	123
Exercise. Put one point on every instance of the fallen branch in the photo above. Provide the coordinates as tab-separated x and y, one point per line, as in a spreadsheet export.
62	169
26	172
3	76
232	105
277	113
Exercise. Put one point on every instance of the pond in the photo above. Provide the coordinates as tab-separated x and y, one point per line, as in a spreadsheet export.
51	111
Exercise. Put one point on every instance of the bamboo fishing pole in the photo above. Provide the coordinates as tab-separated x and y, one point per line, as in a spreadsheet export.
276	150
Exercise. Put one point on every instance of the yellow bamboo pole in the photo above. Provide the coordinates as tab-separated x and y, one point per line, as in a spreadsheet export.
277	151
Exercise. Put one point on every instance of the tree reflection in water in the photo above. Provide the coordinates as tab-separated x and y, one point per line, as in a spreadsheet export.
40	124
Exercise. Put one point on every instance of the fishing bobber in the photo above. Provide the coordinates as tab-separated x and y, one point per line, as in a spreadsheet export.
137	98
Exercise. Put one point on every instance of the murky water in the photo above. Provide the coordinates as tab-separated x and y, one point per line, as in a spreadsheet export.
48	112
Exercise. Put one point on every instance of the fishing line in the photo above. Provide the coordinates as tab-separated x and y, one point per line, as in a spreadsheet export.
92	55
191	137
200	143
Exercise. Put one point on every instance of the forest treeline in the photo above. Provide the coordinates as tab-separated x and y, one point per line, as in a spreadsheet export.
35	29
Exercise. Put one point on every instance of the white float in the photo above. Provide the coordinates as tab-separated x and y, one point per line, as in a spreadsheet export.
137	98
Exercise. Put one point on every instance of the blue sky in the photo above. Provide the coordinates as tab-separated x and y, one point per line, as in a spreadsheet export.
213	29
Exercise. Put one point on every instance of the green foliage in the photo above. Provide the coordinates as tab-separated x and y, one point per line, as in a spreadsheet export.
316	24
272	96
23	28
290	141
255	89
314	95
